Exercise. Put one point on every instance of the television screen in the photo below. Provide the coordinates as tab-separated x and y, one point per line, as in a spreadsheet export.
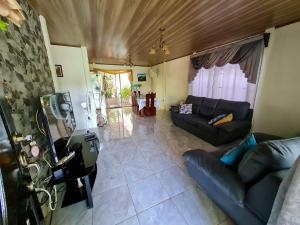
58	117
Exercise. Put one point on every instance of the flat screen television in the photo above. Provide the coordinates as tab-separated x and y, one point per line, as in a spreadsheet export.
58	119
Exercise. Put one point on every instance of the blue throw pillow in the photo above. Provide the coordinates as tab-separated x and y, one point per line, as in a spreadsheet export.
234	156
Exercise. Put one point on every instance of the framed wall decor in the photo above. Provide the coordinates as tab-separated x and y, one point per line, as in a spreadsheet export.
58	70
141	77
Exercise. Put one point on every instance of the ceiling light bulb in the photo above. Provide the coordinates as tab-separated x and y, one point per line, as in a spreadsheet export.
152	51
167	51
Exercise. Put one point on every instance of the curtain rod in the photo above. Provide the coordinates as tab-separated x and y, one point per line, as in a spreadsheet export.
95	70
237	42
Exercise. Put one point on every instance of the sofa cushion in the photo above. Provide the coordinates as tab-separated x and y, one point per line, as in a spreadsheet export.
235	126
200	122
227	181
193	100
260	197
195	108
196	101
240	110
179	116
174	108
267	157
208	106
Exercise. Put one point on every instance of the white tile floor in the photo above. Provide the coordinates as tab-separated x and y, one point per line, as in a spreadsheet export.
142	179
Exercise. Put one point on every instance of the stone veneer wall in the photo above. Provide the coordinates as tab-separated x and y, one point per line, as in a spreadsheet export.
25	70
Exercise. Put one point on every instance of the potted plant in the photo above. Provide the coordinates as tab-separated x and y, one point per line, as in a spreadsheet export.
136	87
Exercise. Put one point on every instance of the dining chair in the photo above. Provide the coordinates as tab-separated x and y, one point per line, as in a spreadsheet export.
150	109
134	101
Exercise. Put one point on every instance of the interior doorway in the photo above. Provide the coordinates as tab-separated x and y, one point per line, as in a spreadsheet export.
111	89
117	88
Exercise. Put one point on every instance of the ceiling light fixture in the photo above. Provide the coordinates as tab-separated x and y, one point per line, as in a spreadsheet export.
163	47
152	50
129	61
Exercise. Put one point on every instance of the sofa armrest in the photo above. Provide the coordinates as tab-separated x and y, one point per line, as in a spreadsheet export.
260	197
227	181
174	109
235	125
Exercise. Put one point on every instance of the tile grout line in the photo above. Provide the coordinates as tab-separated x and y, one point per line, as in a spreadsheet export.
179	211
156	174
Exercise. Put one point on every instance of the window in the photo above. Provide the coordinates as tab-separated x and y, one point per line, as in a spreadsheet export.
227	82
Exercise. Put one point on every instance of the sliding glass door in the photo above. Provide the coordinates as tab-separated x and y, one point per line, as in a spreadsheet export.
125	89
117	89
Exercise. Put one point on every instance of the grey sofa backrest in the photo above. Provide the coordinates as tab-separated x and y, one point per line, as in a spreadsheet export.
240	110
267	157
212	107
196	101
208	107
193	100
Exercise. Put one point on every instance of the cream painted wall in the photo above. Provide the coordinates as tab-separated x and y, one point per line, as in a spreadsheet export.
146	86
277	107
158	83
75	78
170	81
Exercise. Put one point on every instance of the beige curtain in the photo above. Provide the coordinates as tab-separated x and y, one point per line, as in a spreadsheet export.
116	72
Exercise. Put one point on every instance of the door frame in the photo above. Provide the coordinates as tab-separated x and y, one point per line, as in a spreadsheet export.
117	73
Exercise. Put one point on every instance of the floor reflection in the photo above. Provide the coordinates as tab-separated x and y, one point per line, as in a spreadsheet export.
120	122
142	178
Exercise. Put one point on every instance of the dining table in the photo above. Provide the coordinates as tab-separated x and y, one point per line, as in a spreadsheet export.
141	102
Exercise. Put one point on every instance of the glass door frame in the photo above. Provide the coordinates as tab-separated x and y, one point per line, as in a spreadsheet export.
116	74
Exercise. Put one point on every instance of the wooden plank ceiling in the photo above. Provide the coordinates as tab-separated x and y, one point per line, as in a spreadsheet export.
111	29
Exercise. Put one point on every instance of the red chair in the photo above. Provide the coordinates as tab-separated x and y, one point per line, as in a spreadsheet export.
134	102
150	109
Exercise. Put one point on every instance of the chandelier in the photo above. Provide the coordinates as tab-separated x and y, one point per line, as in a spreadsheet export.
162	47
129	61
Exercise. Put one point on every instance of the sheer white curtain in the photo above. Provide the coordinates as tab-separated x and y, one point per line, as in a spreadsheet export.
227	82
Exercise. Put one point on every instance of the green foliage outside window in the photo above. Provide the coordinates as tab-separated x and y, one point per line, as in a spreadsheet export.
3	25
108	93
126	92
